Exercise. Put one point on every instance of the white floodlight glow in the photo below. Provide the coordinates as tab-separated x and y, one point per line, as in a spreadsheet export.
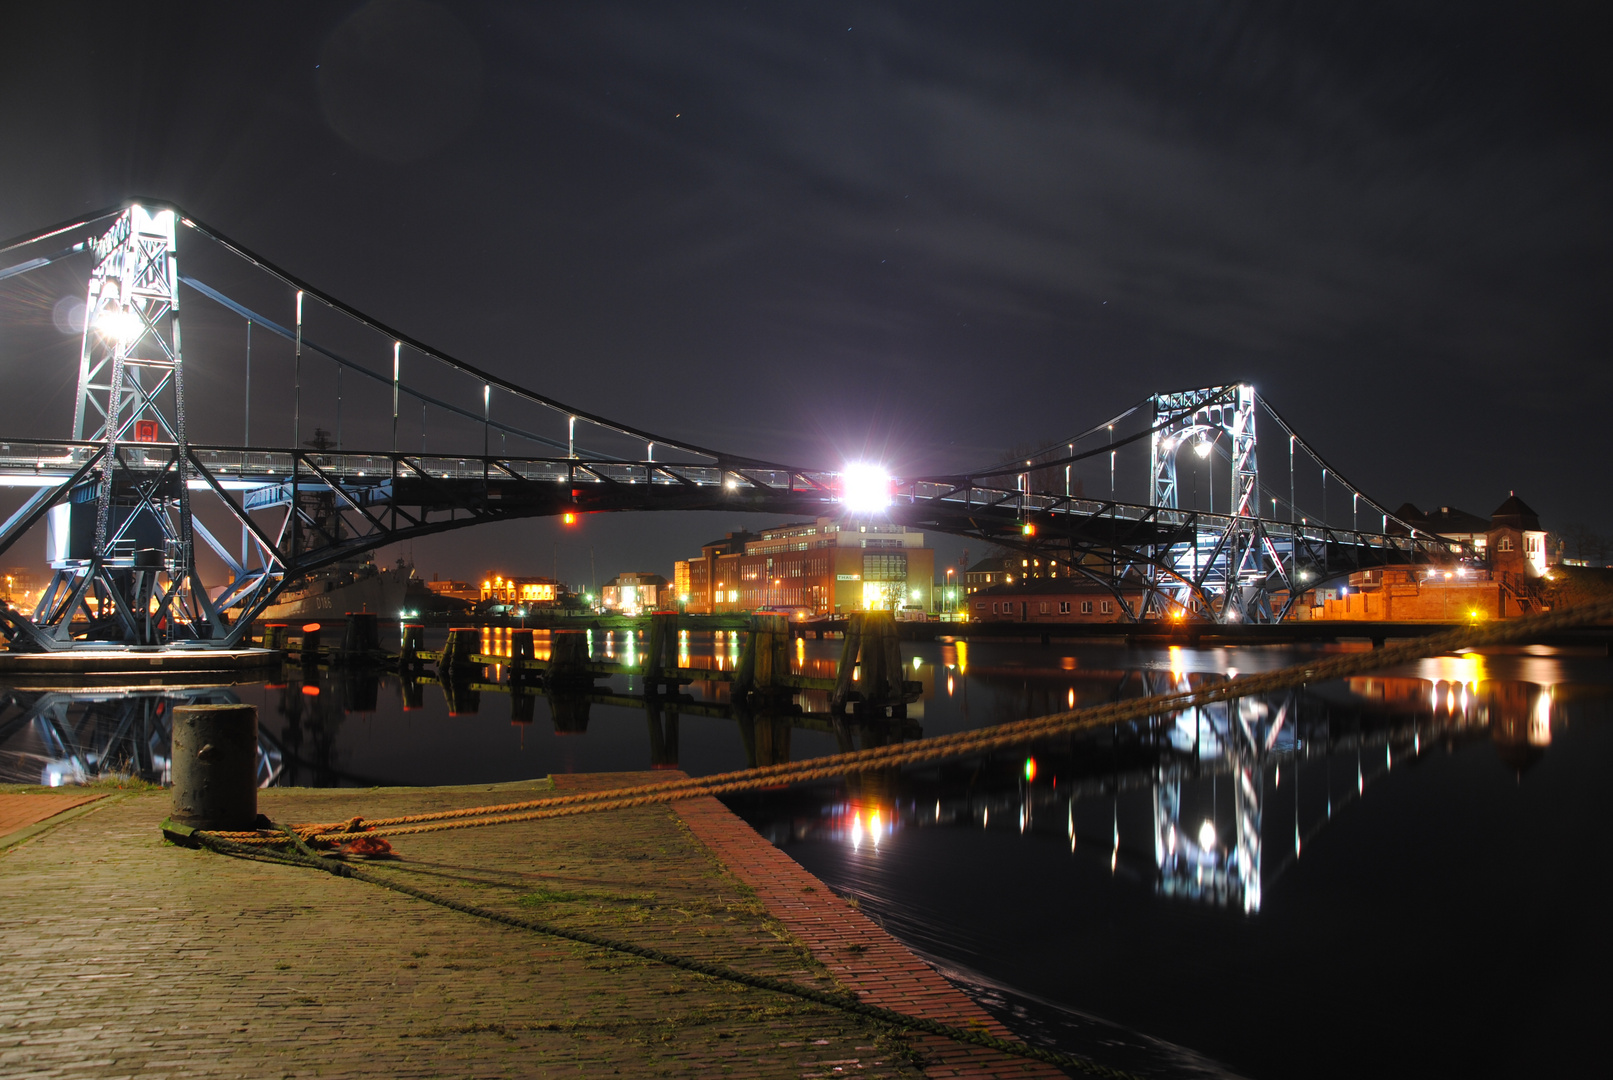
119	324
865	489
1203	448
1207	835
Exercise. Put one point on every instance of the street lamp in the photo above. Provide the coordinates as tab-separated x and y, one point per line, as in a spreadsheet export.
950	595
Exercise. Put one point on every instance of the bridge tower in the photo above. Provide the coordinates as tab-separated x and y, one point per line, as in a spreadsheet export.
1230	560
121	544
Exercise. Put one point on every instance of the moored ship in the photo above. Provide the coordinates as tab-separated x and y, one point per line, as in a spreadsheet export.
361	586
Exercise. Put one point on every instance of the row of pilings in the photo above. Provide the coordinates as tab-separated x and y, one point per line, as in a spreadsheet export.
869	677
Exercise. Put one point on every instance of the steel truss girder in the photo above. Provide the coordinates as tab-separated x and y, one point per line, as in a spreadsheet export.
383	498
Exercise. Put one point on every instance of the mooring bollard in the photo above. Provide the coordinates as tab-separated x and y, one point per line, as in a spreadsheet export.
215	766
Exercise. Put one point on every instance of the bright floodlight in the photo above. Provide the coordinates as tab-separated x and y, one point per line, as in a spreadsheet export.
865	489
117	324
1203	448
1207	835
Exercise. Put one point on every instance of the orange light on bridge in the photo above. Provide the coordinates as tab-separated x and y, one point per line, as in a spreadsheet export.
310	628
569	518
1028	529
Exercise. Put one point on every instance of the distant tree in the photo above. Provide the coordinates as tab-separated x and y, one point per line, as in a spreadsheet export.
1042	478
1580	541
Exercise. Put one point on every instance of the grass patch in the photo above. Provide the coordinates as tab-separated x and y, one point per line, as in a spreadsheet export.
542	896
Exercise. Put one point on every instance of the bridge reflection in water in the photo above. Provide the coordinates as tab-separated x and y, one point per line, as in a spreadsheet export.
55	736
1236	790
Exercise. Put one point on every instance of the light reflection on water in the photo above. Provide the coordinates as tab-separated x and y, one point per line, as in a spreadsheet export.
1253	836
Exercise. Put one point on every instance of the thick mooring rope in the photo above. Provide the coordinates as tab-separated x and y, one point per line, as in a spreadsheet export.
958	744
303	855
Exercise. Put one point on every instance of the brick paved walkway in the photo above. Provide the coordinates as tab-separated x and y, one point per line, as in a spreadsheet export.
123	956
20	810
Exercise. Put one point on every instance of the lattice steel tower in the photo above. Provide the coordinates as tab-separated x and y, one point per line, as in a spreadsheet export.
122	545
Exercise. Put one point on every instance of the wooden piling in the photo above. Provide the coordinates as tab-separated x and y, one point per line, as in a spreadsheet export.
361	639
308	650
568	661
764	660
413	635
522	655
463	643
660	660
871	644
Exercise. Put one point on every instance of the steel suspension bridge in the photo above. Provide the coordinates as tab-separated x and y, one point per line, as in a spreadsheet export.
131	501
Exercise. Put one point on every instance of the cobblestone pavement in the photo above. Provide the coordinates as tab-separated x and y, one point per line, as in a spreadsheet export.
124	956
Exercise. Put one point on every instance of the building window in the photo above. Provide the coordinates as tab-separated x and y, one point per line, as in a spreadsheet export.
1505	544
980	605
1106	608
1044	608
994	609
1064	607
1086	607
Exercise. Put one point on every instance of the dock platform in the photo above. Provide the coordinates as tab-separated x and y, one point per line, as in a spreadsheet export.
123	955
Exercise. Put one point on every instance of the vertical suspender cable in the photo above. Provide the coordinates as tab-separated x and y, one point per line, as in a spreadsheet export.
246	430
397	347
296	382
296	426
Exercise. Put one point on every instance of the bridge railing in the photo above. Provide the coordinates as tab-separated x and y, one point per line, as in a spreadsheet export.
25	460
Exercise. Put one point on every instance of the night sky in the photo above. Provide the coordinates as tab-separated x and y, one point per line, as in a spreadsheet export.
928	232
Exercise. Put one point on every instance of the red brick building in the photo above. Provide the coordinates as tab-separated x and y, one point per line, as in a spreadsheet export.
1051	600
1504	583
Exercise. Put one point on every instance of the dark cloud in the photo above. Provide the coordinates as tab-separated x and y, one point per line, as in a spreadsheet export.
927	234
398	79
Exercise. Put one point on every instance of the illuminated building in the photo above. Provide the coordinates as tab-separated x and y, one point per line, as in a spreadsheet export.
1503	580
984	574
631	593
20	588
821	567
527	591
